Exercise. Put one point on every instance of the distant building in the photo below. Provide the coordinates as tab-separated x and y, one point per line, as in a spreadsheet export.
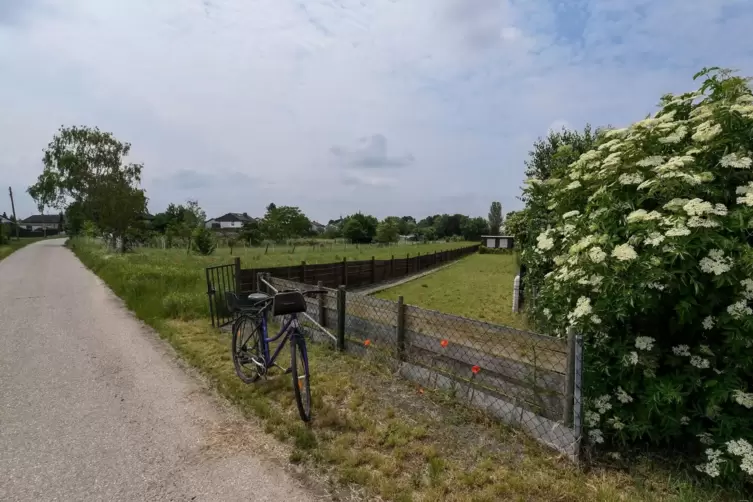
317	227
42	222
498	241
229	220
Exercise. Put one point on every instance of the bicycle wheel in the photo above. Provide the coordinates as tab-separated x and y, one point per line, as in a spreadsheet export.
248	357
299	365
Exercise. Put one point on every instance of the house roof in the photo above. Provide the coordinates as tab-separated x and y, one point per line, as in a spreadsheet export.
43	218
5	220
234	217
317	224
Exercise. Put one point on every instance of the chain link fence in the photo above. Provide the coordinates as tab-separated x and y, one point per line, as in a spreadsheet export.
524	379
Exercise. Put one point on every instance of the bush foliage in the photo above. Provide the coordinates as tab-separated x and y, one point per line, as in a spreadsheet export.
648	256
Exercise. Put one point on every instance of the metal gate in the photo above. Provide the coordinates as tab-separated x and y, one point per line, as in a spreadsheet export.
220	279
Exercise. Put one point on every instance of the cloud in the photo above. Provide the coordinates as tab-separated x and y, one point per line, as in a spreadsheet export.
210	90
371	152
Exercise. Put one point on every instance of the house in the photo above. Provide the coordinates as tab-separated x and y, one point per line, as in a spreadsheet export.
42	222
498	241
317	227
229	221
4	220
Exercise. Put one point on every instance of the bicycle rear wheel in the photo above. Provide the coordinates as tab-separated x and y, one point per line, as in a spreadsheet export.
299	365
248	358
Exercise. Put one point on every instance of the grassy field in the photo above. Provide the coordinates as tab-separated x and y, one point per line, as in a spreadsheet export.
13	245
375	436
478	286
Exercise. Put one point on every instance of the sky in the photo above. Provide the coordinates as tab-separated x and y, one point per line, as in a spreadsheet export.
389	107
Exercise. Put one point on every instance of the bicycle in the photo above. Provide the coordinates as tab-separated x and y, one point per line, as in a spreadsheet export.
251	347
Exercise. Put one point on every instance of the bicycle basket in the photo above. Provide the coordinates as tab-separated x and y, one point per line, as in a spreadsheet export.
288	302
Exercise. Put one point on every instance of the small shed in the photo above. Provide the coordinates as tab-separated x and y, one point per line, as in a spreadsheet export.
498	241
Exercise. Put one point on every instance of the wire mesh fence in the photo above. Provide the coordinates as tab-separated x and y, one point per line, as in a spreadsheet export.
525	379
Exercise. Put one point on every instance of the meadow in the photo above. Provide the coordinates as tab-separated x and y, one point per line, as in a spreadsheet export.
478	286
375	436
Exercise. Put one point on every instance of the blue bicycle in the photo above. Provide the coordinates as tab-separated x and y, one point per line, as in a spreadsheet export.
251	345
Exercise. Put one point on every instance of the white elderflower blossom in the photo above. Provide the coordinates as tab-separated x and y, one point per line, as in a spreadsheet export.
654	239
647	184
624	252
656	285
706	132
596	436
674	163
570	214
642	215
592	419
677	231
676	204
700	207
704	349
701	112
594	318
617	423
711	467
631	179
698	222
596	254
602	404
684	420
654	160
742	448
644	343
700	362
675	137
631	358
747	199
734	160
739	309
708	323
743	398
716	263
545	242
573	185
748	285
582	244
705	438
582	308
681	350
655	260
616	133
609	144
547	313
623	396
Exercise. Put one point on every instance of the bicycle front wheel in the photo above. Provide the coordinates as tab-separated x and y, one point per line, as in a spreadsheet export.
299	365
248	357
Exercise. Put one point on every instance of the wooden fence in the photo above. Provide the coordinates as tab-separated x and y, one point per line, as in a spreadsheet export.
352	274
523	378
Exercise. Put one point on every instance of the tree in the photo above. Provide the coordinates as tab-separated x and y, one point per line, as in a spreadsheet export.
515	225
203	241
360	228
284	222
84	166
473	228
388	231
495	218
251	233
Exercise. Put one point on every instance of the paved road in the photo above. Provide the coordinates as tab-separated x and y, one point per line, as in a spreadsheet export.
93	406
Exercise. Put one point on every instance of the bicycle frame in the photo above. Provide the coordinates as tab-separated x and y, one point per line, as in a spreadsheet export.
292	321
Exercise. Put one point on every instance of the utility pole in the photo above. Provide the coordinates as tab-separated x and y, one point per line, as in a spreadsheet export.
13	208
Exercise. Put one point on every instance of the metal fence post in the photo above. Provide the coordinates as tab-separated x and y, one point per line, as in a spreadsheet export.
344	278
400	329
341	318
322	310
577	394
567	417
210	296
303	272
237	274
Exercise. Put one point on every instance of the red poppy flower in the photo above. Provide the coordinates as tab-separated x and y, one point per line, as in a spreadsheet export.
476	369
444	343
367	342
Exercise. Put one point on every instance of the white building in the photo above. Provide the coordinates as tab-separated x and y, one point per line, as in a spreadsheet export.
228	221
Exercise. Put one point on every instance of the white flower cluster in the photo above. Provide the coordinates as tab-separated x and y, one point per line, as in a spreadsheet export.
602	404
681	350
742	448
699	362
678	230
708	323
711	467
705	438
644	343
655	160
675	204
630	178
630	359
617	423
743	398
624	252
748	285
545	242
747	192
736	161
706	131
739	309
573	185
596	436
700	207
582	308
716	263
655	285
570	214
684	420
596	254
642	215
675	137
699	222
654	239
623	396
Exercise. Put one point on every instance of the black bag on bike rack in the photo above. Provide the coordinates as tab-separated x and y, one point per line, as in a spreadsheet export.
288	302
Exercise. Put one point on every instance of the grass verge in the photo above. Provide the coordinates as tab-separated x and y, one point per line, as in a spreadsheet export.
14	245
478	286
375	435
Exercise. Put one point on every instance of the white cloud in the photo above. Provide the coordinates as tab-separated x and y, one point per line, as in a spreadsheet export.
456	90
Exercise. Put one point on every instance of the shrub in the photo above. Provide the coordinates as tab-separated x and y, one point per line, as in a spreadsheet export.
203	241
650	259
486	250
